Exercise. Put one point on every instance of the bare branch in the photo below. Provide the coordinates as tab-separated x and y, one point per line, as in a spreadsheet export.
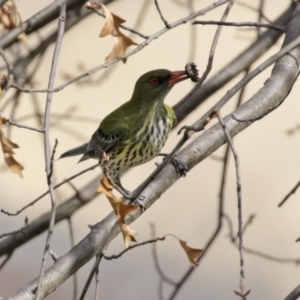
46	193
160	14
21	230
239	196
23	126
241	24
294	189
48	158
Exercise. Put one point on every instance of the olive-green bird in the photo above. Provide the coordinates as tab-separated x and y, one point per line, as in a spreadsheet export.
135	132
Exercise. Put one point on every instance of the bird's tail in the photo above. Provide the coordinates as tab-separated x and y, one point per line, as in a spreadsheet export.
75	151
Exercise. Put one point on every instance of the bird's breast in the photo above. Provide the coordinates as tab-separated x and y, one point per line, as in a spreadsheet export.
143	146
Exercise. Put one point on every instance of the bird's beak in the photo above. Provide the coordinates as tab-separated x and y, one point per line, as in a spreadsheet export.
176	77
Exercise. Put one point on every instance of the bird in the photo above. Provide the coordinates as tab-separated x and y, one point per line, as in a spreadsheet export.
136	131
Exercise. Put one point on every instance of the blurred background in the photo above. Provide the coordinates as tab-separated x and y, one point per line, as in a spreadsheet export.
269	159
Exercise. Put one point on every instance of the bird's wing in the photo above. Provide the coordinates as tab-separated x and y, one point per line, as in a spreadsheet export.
105	138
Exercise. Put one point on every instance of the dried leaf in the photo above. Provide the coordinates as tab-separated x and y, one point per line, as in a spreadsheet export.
3	82
2	121
112	27
7	148
9	15
122	42
112	23
125	209
121	210
128	234
14	166
192	253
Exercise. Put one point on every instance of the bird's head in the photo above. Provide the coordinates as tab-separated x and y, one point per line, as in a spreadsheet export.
155	85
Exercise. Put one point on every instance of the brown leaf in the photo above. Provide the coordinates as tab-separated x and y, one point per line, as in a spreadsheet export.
7	148
192	253
128	234
121	210
3	83
112	23
112	27
125	209
14	166
122	42
9	15
106	188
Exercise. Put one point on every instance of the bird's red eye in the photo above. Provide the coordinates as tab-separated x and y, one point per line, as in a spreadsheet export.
154	80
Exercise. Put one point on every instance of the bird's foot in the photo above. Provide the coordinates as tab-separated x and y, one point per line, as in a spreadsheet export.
139	201
128	195
187	128
179	166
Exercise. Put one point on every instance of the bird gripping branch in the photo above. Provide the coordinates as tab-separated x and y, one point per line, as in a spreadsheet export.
135	132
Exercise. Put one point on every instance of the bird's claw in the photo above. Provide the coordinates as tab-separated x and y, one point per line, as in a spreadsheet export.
139	201
179	166
187	128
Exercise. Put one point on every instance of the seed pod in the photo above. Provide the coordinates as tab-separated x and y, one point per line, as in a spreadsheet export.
192	72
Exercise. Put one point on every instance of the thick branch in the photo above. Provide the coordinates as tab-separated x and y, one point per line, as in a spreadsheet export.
38	21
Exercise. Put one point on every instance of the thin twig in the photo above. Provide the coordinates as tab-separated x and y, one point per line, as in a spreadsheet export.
241	24
161	274
214	45
239	195
91	275
46	193
116	256
4	262
10	70
97	288
246	5
161	15
294	294
193	34
48	158
21	230
260	15
295	261
293	190
23	126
